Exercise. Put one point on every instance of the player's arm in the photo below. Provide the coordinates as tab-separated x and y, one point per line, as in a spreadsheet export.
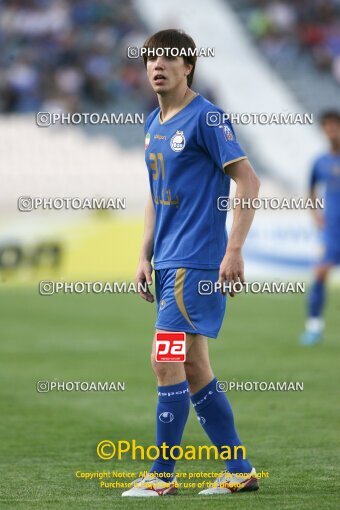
145	269
247	187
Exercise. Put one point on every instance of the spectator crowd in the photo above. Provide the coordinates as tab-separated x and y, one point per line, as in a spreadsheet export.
284	27
68	55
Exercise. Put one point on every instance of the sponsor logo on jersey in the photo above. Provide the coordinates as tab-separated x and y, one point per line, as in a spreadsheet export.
177	142
147	140
201	419
166	417
159	137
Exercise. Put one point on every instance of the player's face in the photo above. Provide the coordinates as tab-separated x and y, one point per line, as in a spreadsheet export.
331	129
167	73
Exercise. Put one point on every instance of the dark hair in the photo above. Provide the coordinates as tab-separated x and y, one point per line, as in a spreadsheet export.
173	38
330	115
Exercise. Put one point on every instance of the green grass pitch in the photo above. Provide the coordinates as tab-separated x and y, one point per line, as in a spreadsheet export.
47	437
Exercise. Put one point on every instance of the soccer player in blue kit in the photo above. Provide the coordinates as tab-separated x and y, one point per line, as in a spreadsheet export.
191	153
326	172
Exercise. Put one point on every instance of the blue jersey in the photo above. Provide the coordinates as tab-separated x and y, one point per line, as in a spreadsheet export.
186	158
326	171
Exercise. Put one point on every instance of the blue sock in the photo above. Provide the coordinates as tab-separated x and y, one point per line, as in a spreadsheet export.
216	417
172	414
316	299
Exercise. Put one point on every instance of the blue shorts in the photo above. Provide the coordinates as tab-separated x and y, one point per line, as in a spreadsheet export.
330	246
330	254
184	305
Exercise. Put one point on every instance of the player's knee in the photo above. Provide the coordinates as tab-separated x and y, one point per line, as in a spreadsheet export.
193	370
153	361
162	369
198	372
189	368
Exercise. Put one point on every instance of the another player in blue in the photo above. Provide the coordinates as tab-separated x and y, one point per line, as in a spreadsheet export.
191	153
325	172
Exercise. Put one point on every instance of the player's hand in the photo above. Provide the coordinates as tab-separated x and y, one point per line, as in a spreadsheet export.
143	277
231	269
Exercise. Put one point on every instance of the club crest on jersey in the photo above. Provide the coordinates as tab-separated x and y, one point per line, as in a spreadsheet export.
147	140
177	142
228	134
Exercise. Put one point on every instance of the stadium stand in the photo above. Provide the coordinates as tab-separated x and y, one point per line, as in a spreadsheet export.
301	40
68	54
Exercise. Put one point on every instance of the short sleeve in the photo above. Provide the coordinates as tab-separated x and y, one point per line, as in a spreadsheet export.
217	137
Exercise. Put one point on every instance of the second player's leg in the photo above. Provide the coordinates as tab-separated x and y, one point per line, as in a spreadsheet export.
316	302
317	291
